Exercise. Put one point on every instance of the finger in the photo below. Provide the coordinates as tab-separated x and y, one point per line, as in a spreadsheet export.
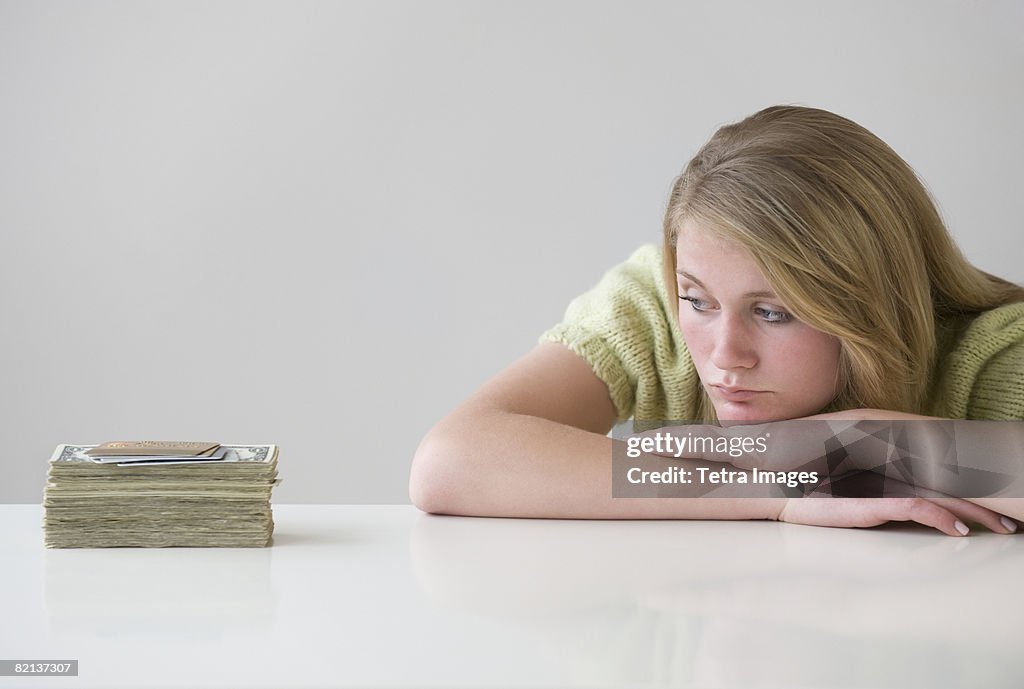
924	511
968	511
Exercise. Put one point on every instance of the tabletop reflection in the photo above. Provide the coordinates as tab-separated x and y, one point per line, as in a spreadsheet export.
715	603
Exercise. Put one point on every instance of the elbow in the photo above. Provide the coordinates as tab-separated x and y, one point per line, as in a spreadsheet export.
434	477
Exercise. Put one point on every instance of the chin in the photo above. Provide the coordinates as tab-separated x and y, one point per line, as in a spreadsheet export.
739	412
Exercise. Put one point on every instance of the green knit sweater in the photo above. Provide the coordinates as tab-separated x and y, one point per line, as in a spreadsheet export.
626	329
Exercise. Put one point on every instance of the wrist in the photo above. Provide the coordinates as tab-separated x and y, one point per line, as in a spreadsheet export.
779	509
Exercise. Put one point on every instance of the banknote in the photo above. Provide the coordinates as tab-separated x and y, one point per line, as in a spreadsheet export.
217	501
153	447
232	453
217	454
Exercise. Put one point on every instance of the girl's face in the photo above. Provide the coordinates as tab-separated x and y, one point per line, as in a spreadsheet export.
754	359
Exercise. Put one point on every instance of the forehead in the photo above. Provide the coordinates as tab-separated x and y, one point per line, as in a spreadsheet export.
716	261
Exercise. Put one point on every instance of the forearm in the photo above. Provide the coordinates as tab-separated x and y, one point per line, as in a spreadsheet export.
1011	507
501	464
979	461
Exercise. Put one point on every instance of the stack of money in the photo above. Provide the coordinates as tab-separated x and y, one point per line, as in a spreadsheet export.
155	494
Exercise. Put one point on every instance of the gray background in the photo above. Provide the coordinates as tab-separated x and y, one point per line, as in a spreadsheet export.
323	224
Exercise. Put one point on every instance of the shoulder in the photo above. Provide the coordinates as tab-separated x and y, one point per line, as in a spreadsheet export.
625	328
640	276
631	293
984	371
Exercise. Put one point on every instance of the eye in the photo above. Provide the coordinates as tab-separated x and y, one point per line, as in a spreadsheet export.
772	316
697	304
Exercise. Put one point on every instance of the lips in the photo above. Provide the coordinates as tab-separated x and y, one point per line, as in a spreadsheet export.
735	394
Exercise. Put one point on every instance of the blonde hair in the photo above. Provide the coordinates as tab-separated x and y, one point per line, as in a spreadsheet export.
847	236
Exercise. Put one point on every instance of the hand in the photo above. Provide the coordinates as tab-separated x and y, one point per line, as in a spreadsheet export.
865	414
910	504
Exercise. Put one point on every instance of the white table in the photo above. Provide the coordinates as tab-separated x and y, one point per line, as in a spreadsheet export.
386	596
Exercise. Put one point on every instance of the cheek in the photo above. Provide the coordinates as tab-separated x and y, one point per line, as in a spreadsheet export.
810	356
696	338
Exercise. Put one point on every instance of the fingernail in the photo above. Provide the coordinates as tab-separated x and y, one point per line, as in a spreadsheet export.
961	527
1009	524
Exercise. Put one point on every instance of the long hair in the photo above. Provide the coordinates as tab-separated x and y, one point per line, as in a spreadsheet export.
846	235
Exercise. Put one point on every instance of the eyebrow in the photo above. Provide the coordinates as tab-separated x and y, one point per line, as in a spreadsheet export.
700	284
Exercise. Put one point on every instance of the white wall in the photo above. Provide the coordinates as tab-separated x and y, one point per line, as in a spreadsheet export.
323	224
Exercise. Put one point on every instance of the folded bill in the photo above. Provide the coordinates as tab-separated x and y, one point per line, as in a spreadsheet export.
219	453
158	448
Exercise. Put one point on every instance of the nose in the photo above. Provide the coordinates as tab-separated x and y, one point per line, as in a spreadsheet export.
733	345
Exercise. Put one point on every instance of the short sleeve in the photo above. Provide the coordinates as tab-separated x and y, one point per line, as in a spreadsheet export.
626	330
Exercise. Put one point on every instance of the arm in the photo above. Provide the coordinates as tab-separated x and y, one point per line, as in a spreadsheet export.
984	436
954	457
531	443
798	444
